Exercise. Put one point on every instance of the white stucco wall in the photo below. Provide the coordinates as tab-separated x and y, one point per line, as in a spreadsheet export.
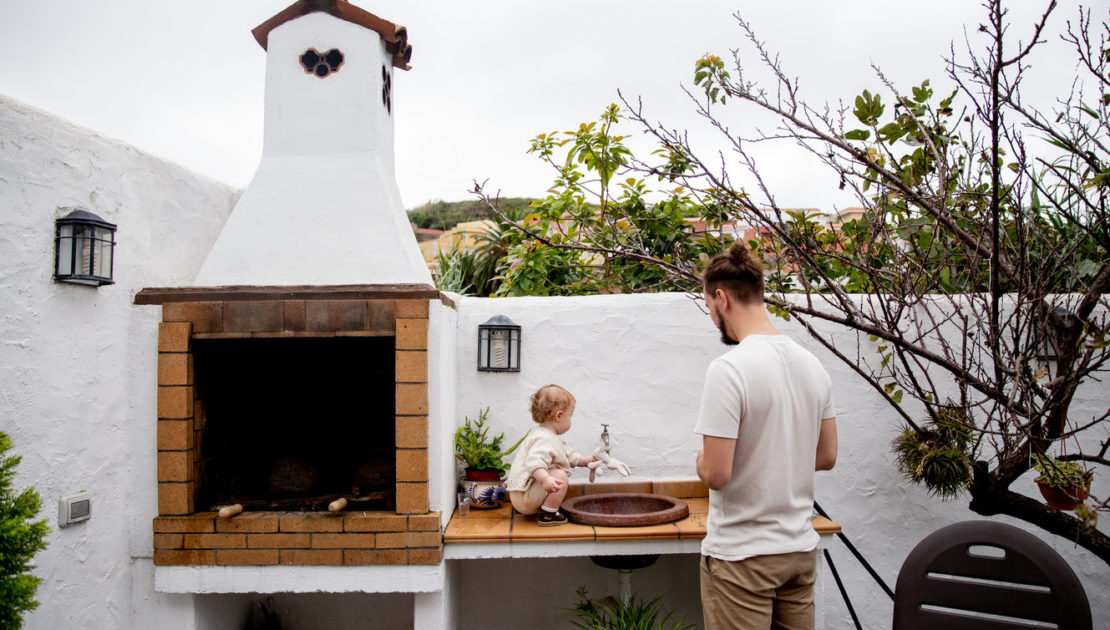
637	363
634	362
442	407
77	371
541	593
304	610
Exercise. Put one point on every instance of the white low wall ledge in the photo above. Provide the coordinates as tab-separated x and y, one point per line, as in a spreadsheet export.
299	579
576	549
569	549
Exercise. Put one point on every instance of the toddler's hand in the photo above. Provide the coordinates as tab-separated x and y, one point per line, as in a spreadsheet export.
551	484
595	466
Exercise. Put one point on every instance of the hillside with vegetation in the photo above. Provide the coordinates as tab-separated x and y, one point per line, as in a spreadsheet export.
444	215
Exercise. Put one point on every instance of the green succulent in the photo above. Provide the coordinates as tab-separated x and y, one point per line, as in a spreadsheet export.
1056	473
937	456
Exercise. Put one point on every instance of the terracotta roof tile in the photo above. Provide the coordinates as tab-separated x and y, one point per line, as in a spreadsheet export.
394	35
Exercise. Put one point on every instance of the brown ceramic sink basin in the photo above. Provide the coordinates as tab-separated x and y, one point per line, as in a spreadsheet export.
625	509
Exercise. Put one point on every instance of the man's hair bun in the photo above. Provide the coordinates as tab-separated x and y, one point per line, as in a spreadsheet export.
744	259
737	270
738	254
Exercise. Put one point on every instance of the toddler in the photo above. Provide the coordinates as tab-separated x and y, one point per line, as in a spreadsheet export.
537	479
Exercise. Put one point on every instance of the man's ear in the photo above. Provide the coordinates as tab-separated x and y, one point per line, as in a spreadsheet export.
723	298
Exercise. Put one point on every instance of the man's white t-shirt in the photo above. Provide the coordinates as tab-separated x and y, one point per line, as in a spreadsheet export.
770	395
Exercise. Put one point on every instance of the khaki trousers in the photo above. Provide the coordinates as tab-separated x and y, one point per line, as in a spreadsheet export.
759	593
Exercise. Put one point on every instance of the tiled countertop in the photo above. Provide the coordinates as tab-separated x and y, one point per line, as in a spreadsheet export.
502	532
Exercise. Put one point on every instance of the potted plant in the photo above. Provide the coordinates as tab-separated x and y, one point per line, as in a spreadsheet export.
633	614
1063	484
483	457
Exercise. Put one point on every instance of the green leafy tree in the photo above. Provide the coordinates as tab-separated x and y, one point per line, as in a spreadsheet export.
604	222
20	539
983	233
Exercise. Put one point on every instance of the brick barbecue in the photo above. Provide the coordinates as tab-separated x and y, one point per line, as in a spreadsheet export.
188	533
293	371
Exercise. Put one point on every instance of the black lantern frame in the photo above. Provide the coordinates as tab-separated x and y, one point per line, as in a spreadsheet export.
499	345
1046	352
84	249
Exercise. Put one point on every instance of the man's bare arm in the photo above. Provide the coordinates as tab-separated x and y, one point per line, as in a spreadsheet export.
826	445
715	461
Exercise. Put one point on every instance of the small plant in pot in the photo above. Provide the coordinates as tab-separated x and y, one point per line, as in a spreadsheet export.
484	460
1063	484
633	614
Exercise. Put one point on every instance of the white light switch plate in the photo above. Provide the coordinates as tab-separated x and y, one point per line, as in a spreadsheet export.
74	508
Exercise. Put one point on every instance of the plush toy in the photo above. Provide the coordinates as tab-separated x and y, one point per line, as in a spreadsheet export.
604	459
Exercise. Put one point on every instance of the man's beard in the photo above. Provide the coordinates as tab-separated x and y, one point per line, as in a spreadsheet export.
720	321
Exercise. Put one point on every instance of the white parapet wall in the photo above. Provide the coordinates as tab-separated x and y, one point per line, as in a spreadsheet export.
635	363
77	366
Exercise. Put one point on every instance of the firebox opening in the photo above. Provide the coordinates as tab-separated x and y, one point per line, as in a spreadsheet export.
295	423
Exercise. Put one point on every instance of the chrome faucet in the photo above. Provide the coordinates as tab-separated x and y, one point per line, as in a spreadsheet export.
605	435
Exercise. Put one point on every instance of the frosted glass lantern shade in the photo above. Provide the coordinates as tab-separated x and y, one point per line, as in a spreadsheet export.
84	249
499	345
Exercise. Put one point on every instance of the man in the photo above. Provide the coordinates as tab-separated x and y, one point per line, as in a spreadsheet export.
767	423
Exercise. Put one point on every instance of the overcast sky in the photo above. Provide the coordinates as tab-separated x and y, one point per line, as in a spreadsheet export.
184	79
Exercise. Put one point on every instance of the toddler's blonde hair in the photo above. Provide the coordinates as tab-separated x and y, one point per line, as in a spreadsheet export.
549	399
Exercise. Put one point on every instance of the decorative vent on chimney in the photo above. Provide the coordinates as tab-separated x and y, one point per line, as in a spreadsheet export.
387	89
321	64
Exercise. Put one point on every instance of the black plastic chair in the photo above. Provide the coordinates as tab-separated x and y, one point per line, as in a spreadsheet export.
982	574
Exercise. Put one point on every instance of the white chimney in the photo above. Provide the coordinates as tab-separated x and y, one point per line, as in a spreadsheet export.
323	207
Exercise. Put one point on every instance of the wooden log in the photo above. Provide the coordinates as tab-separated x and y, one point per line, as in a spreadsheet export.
230	510
337	505
304	503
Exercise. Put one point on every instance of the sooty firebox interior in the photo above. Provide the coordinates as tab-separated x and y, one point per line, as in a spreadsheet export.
294	423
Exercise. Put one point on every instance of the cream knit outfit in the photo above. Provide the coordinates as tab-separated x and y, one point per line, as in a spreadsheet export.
543	448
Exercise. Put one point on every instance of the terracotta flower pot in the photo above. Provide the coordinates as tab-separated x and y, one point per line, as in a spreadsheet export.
1066	499
482	475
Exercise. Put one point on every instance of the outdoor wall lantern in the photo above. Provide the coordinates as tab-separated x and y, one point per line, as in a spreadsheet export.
84	249
499	345
1046	352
